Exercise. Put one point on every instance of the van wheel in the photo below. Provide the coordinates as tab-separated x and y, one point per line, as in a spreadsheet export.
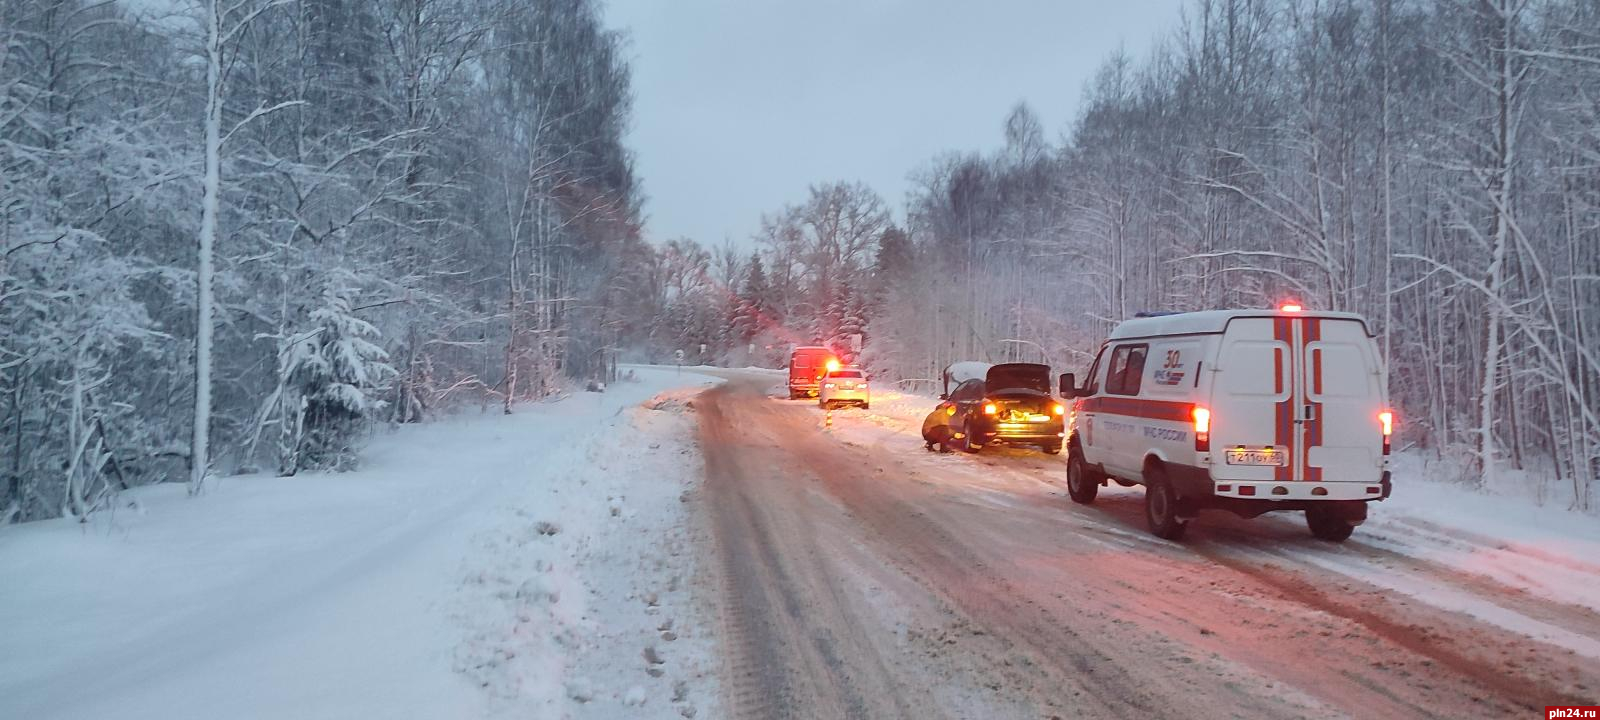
1161	504
1082	485
1327	523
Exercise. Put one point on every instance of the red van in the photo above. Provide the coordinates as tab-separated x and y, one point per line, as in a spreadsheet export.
807	365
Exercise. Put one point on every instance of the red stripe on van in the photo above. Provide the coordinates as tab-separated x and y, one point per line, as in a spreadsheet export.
1135	407
1283	424
1313	333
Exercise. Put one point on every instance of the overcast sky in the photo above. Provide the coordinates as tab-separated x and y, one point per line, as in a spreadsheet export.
741	104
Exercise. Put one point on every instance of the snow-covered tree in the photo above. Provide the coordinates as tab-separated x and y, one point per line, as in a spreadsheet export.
338	374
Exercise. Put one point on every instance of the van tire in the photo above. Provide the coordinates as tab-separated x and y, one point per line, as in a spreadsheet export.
1082	484
1161	504
1327	523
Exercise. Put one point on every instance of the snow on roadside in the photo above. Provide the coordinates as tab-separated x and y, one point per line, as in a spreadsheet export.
384	592
591	574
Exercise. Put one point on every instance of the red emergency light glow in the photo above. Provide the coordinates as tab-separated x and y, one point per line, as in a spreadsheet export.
1386	421
1291	308
1202	429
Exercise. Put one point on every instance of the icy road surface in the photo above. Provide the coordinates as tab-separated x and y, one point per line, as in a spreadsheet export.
860	576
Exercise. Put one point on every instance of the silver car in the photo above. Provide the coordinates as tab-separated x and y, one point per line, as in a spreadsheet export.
845	386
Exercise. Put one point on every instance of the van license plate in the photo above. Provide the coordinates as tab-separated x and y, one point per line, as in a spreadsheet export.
1258	456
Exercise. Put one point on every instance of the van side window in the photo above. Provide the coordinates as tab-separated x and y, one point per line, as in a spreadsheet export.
1091	385
1127	370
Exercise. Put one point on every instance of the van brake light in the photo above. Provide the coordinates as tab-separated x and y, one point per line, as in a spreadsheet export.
1386	420
1202	429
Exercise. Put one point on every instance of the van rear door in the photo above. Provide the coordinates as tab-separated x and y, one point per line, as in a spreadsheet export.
1252	390
1308	389
1341	396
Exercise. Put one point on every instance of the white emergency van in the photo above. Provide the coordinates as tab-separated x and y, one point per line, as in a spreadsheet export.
1242	410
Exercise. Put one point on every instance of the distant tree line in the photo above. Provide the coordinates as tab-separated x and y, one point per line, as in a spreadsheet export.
1431	164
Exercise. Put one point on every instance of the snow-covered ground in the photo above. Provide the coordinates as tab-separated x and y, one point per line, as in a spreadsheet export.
535	565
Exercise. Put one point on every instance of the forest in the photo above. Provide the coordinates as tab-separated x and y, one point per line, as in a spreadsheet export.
240	235
1430	164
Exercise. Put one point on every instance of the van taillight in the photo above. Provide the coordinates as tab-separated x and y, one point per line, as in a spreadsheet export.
1386	420
1202	429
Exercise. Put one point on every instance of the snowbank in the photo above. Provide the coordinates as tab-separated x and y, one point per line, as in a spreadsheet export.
482	566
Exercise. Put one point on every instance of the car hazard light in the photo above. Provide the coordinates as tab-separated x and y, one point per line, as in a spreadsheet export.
1202	429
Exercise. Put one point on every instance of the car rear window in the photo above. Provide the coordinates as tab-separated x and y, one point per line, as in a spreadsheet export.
845	374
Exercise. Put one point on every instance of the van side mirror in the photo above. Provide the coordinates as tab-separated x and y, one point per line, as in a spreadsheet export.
1069	386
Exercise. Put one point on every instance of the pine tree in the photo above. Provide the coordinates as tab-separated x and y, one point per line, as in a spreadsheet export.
337	372
893	264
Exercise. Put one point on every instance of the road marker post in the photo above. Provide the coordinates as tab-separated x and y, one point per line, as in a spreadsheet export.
827	419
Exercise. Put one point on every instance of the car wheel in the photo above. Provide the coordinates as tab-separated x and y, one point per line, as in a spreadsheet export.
967	445
866	406
1161	505
1082	485
1329	524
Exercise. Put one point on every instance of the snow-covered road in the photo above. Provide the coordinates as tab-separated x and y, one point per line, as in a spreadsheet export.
864	577
485	566
665	550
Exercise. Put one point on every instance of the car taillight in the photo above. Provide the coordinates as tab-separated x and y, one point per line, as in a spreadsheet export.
990	408
1202	429
1386	420
1060	409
